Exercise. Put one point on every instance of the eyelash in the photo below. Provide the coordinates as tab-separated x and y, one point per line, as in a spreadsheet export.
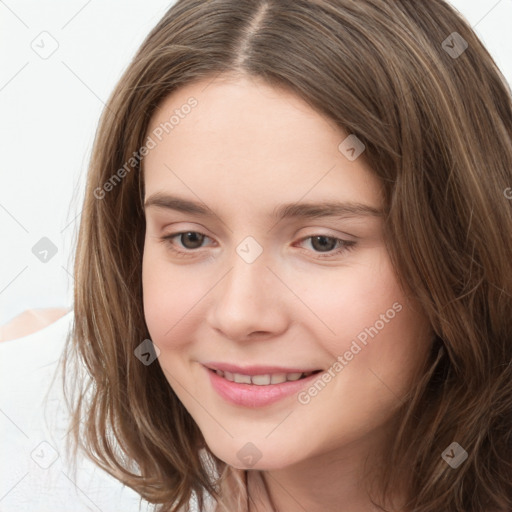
168	241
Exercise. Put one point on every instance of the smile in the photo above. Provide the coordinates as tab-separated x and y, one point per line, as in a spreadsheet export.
255	389
265	379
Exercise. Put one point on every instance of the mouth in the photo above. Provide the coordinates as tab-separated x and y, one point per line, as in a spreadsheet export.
257	386
266	379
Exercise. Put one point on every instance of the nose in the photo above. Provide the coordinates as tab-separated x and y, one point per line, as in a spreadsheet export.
249	302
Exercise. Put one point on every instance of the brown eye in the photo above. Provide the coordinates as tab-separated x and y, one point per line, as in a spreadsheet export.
323	243
191	239
329	245
190	242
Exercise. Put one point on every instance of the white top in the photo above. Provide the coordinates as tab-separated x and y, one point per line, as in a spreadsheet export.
34	473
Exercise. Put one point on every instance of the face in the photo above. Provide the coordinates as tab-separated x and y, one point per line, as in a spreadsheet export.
262	297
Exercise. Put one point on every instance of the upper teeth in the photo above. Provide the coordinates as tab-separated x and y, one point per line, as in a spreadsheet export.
261	380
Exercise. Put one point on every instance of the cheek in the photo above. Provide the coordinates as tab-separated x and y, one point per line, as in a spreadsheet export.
353	299
171	298
365	315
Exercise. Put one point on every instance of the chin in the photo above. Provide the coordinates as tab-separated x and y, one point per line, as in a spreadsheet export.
259	455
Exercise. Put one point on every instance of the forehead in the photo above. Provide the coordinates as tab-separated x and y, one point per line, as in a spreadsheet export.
244	141
247	109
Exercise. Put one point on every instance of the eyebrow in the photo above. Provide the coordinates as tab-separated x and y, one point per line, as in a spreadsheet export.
284	211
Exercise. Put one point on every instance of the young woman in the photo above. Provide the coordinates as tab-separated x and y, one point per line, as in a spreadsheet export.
292	281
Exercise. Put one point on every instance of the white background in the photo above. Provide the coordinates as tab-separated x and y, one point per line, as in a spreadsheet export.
49	114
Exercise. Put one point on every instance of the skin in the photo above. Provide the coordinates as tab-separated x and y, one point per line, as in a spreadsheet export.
244	149
29	322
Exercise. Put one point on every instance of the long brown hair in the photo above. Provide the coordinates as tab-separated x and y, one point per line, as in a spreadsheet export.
415	84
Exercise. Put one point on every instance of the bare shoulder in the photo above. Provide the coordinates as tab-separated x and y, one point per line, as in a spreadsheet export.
30	321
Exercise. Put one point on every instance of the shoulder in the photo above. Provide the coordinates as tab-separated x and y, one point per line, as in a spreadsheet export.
29	322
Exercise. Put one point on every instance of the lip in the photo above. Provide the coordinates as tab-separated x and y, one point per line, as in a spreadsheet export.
256	370
252	395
